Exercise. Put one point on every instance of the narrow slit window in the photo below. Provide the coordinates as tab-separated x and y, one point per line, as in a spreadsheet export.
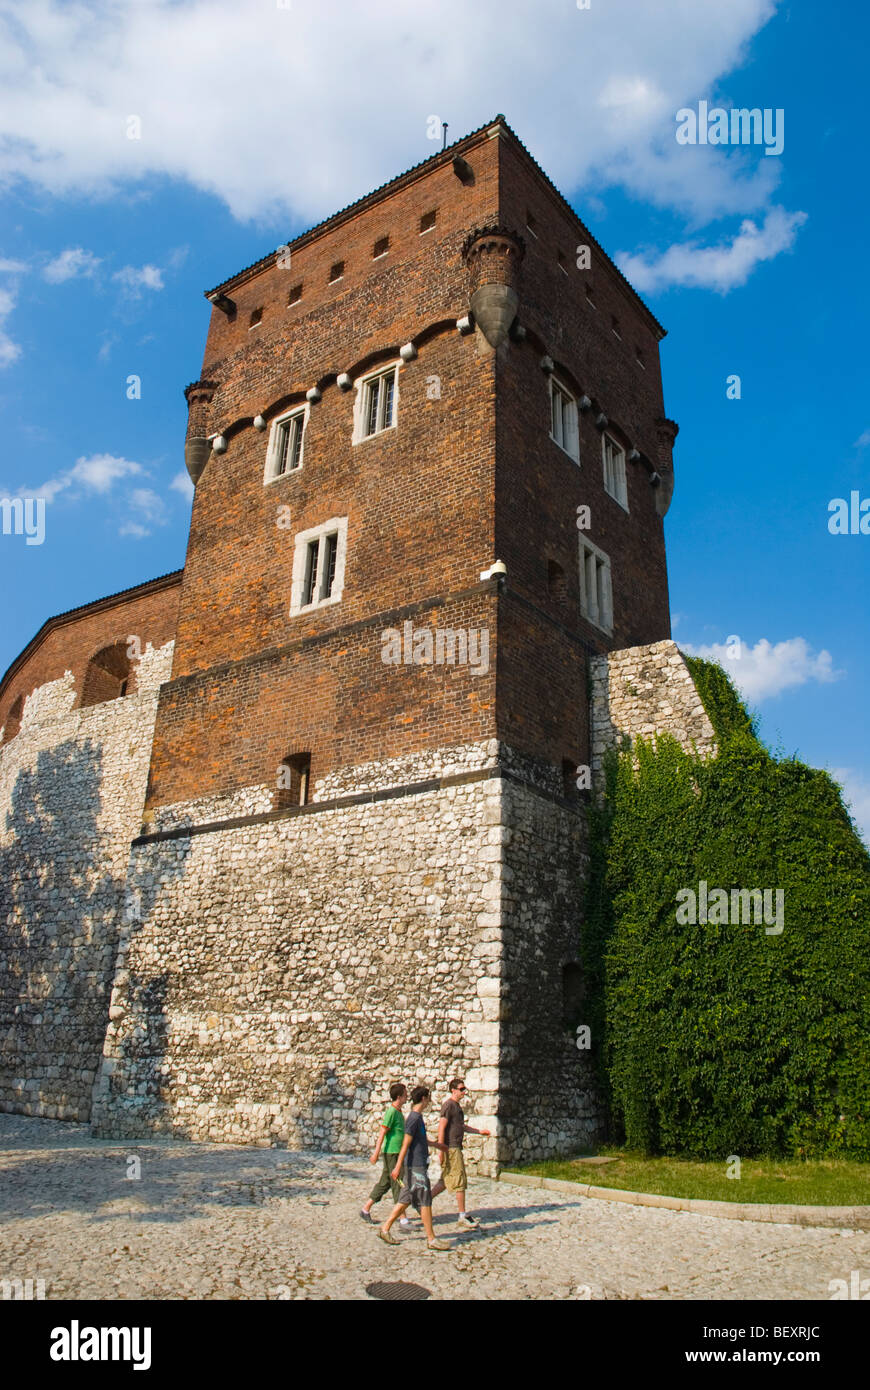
309	585
330	544
427	221
381	247
336	272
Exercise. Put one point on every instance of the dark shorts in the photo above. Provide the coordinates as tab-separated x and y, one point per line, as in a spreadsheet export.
417	1191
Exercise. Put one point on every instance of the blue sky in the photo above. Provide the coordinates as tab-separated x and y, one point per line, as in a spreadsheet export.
257	119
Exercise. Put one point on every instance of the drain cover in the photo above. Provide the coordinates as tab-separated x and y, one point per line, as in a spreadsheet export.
405	1293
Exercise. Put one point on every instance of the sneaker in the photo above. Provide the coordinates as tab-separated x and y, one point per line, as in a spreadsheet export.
387	1237
438	1245
366	1216
468	1221
403	1221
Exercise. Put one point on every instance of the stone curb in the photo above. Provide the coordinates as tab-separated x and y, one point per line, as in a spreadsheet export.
851	1218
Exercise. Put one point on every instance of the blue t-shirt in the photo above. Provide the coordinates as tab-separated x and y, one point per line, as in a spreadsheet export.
418	1151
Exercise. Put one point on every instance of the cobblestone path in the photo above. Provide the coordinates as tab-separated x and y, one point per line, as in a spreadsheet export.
214	1221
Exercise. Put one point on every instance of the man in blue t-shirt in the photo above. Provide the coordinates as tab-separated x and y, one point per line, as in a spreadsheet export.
414	1154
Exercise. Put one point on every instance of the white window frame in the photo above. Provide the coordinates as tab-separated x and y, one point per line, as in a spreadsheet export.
616	469
570	430
271	475
363	387
336	526
596	587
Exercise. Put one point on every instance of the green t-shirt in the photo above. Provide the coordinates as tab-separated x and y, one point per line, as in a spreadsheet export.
395	1123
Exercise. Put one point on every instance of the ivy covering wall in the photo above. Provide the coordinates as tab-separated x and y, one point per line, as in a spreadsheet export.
719	1038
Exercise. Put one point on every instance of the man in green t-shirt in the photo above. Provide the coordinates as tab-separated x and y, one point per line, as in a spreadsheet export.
388	1146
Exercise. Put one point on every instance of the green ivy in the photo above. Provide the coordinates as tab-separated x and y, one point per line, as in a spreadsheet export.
719	1039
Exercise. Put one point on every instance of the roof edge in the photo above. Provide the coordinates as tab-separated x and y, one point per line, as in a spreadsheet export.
416	171
149	586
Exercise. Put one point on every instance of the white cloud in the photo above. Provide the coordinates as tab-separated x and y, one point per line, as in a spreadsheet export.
721	267
70	264
12	267
9	350
110	341
863	440
182	483
297	111
134	281
147	509
856	794
767	669
96	473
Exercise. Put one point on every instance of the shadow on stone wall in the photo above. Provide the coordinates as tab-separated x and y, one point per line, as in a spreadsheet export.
59	912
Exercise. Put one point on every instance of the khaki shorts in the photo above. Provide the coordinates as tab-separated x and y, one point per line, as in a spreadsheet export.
453	1171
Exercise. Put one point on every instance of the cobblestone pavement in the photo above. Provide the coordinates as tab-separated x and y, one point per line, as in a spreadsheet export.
214	1221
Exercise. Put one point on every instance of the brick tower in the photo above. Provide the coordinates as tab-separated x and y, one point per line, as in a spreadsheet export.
431	463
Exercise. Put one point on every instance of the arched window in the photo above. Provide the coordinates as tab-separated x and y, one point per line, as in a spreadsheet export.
293	775
109	675
13	719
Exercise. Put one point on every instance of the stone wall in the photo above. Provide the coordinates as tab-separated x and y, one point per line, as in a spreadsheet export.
549	1102
283	972
642	691
284	969
72	785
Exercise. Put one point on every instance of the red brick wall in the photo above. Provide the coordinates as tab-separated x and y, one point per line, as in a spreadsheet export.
148	613
539	487
428	506
418	498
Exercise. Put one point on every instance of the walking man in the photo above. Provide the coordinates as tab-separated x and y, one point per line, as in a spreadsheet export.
414	1153
451	1130
388	1146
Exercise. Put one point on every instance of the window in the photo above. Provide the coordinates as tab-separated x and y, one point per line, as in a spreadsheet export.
563	264
318	566
381	247
563	419
639	358
590	297
336	271
108	675
285	446
596	594
295	294
293	781
531	224
427	221
376	404
573	996
556	583
614	470
614	325
256	317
